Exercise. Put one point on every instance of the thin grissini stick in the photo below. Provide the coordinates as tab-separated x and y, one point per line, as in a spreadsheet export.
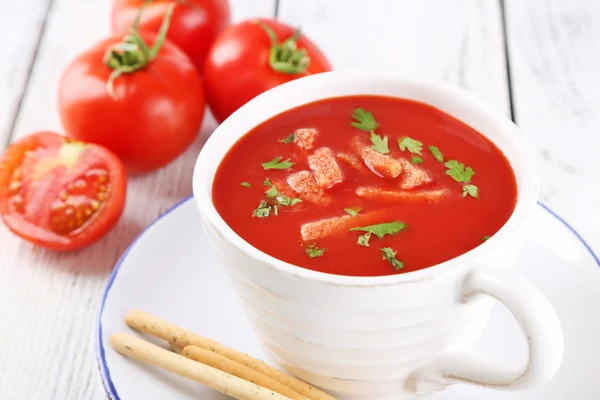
154	326
236	369
223	382
175	347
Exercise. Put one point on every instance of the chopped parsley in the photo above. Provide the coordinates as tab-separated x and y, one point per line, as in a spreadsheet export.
246	184
380	230
289	139
363	240
410	144
314	251
276	163
353	210
380	144
390	255
286	201
263	210
267	182
272	193
416	160
364	120
437	154
274	199
458	172
483	239
471	190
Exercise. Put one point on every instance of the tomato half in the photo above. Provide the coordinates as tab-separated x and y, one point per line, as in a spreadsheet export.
194	27
59	193
156	111
254	56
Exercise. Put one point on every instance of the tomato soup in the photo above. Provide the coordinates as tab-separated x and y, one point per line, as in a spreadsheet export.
364	186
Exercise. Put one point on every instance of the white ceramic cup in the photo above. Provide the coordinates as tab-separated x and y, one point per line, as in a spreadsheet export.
387	337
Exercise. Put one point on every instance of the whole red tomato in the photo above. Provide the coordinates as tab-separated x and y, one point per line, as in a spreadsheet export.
254	56
194	27
149	114
60	193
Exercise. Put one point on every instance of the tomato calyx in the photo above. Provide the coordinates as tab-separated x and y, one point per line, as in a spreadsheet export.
132	54
286	57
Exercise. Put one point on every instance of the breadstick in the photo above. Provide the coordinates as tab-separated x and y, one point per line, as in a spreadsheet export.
230	385
236	369
154	326
175	347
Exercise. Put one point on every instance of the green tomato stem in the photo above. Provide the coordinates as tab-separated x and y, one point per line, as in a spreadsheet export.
286	57
132	54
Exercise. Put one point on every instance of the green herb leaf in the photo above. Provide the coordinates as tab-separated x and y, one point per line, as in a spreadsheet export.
416	160
246	184
263	210
353	210
379	145
363	240
314	251
267	182
458	171
272	193
471	190
364	120
380	230
289	139
483	239
286	201
410	144
390	255
437	154
276	164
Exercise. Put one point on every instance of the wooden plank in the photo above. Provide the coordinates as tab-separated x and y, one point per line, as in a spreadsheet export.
49	301
458	41
21	24
555	68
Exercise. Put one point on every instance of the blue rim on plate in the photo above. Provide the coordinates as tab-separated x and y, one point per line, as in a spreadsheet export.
109	387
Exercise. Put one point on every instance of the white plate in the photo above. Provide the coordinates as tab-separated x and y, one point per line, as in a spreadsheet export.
171	271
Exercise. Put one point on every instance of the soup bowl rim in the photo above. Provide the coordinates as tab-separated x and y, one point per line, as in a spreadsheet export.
209	159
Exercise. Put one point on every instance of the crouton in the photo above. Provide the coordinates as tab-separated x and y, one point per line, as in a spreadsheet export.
380	164
305	138
412	176
375	193
285	190
351	160
325	168
338	225
307	187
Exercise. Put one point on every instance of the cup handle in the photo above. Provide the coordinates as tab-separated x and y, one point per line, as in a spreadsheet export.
538	321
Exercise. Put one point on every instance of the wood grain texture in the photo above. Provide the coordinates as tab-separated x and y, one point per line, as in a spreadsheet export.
21	26
49	301
555	66
459	41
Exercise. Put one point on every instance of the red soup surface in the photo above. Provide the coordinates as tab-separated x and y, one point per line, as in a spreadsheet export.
421	186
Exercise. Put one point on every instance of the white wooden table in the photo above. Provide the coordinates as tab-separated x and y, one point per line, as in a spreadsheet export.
537	61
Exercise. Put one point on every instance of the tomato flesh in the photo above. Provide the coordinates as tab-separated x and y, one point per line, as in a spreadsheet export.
60	193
